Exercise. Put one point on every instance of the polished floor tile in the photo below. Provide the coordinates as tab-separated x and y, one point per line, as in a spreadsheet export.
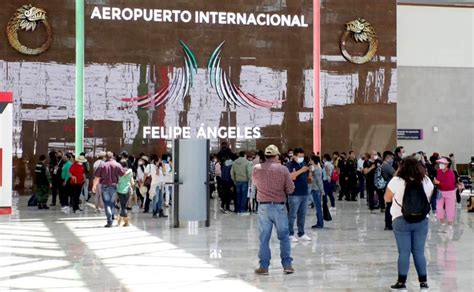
53	251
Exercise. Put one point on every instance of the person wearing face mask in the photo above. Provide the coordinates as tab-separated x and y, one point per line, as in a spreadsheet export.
399	155
298	200
369	170
446	204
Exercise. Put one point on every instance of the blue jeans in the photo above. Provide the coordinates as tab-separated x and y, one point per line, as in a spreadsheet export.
328	190
269	215
298	207
242	188
318	207
157	200
108	197
433	201
411	239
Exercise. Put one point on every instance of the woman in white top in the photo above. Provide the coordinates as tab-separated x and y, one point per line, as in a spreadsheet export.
157	170
410	237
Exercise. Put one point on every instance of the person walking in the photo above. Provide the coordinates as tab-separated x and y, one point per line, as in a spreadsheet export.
446	203
42	182
410	190
317	190
157	170
298	200
241	174
124	187
98	193
108	174
273	184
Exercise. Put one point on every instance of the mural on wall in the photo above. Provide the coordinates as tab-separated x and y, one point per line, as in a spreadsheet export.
138	74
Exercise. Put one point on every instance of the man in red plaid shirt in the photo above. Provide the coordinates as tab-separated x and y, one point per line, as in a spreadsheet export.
273	184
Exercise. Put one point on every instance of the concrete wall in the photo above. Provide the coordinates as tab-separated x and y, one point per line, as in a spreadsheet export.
435	78
441	97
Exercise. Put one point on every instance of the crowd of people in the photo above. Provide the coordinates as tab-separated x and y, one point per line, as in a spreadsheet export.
113	181
280	188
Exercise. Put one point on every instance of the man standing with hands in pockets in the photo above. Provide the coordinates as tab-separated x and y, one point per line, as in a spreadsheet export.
273	183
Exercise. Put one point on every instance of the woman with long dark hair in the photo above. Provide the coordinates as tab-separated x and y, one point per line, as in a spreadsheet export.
408	189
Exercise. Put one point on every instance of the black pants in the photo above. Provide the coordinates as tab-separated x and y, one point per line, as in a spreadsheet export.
55	190
123	203
212	186
75	194
64	191
343	192
146	208
380	194
388	216
371	195
226	195
361	184
139	195
353	188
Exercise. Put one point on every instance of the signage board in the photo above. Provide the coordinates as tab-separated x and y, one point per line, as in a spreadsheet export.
410	134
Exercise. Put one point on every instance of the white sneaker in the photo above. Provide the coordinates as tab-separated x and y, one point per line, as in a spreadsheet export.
293	238
304	237
442	228
332	209
450	229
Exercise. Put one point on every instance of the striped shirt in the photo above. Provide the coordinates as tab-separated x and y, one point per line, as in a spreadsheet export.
273	182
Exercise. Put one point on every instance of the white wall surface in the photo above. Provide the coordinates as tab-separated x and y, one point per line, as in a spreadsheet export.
436	78
435	36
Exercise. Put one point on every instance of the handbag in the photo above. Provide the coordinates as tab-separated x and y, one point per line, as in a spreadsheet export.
326	213
147	182
33	200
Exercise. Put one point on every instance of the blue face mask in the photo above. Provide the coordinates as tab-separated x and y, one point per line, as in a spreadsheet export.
300	160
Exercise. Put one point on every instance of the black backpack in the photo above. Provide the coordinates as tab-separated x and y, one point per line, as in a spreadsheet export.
415	203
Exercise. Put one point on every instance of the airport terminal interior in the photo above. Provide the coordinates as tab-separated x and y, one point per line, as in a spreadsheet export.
208	145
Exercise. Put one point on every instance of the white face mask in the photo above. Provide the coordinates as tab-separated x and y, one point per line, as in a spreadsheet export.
300	160
442	166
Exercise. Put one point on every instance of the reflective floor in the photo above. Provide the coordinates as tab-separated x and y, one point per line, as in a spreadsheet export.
52	251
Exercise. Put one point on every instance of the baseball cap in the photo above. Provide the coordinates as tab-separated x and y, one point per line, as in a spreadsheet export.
272	150
443	160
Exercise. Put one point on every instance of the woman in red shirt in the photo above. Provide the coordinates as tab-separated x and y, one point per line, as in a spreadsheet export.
78	177
446	203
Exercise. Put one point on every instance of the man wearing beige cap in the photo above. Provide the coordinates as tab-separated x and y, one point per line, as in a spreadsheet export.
273	184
